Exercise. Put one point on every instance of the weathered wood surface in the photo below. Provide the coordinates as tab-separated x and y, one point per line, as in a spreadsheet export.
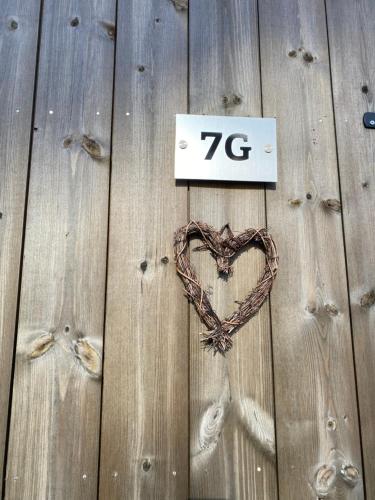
19	23
54	432
153	361
145	395
351	28
317	432
232	444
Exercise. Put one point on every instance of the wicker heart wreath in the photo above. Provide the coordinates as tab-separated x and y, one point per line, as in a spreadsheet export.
224	250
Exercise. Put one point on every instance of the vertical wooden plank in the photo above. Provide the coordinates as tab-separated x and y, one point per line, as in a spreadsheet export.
145	394
19	24
54	434
316	411
231	422
351	28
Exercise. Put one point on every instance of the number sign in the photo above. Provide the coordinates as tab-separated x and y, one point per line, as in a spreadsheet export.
225	148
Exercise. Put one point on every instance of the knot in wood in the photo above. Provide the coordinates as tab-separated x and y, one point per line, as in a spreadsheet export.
308	57
295	202
41	345
146	466
180	4
325	479
350	474
368	299
231	100
88	357
143	266
13	25
332	205
331	309
92	147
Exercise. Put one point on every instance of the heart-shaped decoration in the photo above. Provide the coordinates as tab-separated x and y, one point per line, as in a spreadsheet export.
224	250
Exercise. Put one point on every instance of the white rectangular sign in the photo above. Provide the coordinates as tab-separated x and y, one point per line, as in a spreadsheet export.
225	148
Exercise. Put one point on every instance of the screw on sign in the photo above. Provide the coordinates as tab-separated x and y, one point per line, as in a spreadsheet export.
226	148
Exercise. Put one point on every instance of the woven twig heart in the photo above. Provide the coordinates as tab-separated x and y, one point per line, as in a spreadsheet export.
220	332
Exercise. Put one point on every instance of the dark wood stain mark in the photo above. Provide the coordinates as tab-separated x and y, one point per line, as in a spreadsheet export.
88	144
109	28
68	141
368	299
146	466
332	205
231	100
308	57
143	266
13	25
92	148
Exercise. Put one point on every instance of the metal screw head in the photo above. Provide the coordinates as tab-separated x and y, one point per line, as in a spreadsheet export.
268	148
182	144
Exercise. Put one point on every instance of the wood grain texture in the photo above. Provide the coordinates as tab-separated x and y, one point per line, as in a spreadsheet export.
145	393
54	434
351	28
19	24
232	441
315	396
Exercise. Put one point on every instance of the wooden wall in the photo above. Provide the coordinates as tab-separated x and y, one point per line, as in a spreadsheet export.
105	392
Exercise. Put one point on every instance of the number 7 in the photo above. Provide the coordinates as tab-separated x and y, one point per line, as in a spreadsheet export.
217	137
